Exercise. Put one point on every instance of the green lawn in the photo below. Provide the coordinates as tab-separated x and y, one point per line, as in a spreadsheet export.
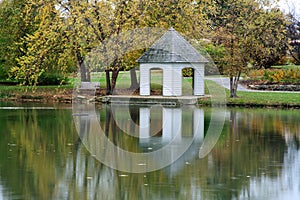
283	99
266	98
245	98
124	79
218	92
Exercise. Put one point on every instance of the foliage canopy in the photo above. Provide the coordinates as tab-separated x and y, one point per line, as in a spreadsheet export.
56	36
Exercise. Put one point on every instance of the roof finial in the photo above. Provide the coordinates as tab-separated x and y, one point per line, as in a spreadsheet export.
171	29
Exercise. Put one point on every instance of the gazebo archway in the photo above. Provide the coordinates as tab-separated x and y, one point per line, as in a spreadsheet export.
156	81
187	81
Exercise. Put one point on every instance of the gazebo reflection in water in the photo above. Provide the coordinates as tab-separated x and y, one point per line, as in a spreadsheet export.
151	127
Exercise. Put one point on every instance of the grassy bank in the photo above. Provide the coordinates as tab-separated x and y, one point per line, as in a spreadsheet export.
40	93
64	93
266	99
257	99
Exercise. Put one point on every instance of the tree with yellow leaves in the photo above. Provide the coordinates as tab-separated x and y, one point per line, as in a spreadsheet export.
69	30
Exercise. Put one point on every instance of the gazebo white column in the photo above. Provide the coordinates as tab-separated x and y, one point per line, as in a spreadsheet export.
177	79
198	125
198	79
144	80
167	80
144	134
172	124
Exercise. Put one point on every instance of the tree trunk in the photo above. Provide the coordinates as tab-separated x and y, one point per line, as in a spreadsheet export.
114	77
85	74
88	75
234	82
294	57
111	83
134	84
232	87
82	71
108	85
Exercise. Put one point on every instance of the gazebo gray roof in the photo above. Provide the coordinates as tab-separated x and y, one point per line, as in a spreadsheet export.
172	48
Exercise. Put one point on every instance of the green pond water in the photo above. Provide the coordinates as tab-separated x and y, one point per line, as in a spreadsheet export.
58	151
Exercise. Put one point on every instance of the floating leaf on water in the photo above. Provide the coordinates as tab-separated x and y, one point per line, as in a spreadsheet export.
142	164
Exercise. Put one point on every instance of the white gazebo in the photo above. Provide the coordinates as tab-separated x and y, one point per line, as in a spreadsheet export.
172	53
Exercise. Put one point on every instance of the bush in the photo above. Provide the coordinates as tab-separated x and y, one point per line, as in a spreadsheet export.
3	73
288	75
51	79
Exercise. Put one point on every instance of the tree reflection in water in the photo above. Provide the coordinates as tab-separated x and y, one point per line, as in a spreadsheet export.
257	156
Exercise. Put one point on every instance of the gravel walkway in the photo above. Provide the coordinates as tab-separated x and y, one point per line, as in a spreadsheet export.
225	82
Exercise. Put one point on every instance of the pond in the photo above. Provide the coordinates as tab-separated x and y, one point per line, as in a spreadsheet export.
83	152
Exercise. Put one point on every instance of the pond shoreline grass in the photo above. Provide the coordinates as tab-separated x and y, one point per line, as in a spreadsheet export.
258	99
245	99
39	94
64	94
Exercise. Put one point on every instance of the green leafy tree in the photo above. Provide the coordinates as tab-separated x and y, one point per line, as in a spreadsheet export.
58	43
250	33
266	42
293	33
69	30
14	24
